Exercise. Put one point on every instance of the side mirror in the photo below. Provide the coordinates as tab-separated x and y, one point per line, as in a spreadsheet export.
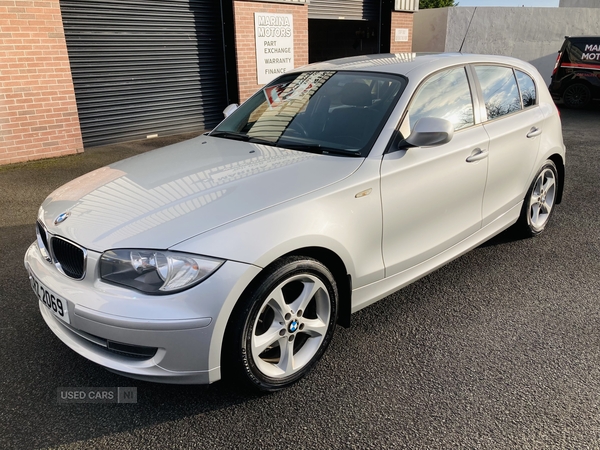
429	132
230	109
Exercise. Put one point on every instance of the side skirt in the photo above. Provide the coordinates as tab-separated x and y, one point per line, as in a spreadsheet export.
366	295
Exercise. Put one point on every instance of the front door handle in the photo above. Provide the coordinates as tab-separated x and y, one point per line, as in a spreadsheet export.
477	155
535	131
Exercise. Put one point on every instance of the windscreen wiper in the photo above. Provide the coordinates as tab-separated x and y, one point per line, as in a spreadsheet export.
242	137
255	140
312	148
320	149
231	135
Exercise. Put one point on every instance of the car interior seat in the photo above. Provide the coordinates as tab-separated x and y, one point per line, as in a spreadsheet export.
349	124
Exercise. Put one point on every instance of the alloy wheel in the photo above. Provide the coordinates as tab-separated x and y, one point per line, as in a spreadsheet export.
291	326
542	199
577	96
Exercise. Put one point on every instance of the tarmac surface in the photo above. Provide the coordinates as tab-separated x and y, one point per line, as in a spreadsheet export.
498	349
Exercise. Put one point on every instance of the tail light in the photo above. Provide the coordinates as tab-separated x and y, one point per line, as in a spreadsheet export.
556	63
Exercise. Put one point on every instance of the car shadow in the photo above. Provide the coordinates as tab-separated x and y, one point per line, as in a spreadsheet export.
35	364
509	235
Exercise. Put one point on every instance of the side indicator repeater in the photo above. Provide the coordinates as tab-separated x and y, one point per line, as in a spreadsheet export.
363	193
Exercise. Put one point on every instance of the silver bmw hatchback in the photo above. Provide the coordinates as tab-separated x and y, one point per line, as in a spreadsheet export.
235	254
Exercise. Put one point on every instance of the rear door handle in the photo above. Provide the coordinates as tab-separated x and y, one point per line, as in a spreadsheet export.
477	155
535	131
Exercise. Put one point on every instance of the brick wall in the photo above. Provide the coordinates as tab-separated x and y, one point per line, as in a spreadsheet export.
401	20
38	114
245	42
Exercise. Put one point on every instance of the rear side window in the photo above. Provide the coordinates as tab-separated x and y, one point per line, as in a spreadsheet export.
527	88
444	95
500	91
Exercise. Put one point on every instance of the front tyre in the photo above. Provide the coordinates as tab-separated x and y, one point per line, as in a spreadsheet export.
283	325
539	201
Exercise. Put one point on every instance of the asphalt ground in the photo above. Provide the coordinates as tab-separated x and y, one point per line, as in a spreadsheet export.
498	349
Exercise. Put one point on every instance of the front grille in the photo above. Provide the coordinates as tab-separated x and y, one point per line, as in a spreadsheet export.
69	258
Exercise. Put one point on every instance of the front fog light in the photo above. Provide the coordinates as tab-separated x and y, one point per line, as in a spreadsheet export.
156	272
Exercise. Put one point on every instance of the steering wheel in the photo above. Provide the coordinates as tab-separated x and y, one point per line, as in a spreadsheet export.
296	128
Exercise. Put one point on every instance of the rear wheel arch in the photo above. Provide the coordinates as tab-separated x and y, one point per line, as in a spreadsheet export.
575	80
560	168
539	202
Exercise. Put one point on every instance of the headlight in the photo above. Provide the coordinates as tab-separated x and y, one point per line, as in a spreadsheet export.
156	272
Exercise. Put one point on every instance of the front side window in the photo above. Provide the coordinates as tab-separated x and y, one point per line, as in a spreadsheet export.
500	91
444	95
527	88
323	111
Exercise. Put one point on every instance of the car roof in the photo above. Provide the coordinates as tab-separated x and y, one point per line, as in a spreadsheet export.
581	38
410	63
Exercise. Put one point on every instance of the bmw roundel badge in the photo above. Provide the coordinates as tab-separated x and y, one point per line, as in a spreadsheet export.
61	217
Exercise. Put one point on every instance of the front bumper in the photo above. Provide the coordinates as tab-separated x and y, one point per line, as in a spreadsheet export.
170	338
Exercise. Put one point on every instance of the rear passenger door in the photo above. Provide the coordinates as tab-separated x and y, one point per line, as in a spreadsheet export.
513	121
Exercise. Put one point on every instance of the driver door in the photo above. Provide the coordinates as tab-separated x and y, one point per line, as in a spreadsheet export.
432	196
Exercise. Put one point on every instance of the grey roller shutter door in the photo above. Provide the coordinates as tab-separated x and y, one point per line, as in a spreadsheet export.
344	9
145	67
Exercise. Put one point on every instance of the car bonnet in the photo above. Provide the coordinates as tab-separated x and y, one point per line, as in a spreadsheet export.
166	196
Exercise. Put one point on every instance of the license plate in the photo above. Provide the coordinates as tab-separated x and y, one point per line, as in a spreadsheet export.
50	299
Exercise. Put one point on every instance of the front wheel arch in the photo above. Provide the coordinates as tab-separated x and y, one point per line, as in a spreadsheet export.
342	278
239	362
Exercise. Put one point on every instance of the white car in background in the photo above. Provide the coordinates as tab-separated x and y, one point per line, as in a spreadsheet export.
235	254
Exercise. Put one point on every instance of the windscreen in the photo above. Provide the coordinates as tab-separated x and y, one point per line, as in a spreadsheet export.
328	112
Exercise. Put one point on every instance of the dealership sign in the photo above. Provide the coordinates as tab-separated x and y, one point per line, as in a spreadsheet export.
274	34
595	56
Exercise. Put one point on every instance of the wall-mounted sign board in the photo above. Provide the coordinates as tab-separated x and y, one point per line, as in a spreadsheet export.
274	35
401	35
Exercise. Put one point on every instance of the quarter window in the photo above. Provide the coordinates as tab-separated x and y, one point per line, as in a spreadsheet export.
445	95
500	91
527	88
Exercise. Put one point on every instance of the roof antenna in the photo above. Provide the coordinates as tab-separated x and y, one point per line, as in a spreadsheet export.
467	32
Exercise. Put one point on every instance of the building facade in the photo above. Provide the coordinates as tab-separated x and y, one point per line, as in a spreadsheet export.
83	73
38	112
579	4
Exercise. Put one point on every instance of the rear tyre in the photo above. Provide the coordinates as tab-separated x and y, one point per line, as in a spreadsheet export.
577	96
539	202
282	327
